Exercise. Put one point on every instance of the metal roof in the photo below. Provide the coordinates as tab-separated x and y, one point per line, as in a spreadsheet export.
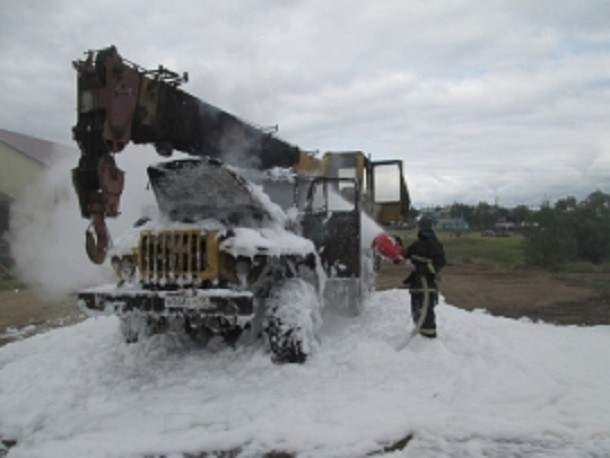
41	151
5	198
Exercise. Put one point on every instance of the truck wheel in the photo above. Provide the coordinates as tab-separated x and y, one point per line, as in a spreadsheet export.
292	320
137	326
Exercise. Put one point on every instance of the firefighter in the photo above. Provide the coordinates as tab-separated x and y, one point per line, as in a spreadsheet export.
427	257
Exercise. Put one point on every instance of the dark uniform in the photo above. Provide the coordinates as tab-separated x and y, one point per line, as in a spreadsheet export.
428	256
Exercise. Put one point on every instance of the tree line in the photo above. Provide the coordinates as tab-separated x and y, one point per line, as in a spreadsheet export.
570	230
555	234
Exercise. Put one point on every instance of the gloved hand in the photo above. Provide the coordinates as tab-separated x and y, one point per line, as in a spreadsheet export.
398	260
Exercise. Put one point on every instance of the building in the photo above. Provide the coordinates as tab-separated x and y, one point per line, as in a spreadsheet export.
452	224
23	159
444	221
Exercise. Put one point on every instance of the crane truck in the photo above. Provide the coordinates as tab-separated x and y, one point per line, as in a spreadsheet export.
252	233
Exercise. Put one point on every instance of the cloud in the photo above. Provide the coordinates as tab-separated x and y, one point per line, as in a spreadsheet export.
480	99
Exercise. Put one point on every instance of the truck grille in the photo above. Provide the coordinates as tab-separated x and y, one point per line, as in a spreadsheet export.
180	258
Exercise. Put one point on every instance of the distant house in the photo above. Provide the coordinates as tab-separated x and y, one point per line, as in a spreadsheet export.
444	221
506	226
452	224
23	159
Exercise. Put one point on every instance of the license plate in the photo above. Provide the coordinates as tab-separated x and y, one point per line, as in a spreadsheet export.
185	302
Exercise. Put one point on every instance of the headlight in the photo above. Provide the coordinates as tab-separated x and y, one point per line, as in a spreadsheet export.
242	269
124	268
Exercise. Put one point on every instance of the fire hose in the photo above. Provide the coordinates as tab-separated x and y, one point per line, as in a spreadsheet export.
422	312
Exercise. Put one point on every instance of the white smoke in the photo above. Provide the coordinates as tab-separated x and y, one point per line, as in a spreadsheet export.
237	148
47	232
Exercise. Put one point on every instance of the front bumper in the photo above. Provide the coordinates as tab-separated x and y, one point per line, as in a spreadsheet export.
197	302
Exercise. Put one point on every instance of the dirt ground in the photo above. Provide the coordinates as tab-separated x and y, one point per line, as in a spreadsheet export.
25	311
534	294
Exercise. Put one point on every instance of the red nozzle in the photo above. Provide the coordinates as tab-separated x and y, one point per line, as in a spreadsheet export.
386	246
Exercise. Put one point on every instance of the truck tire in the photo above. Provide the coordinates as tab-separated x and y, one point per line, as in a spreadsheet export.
292	320
137	326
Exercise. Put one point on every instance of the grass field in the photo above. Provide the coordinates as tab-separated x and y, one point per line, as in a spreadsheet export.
507	254
474	249
8	282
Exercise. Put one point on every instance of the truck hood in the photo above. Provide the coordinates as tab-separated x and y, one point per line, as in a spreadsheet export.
188	190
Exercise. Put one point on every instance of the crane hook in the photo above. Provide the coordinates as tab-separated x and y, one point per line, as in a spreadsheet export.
96	249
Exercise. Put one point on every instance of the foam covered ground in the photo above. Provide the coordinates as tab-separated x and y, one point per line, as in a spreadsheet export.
487	386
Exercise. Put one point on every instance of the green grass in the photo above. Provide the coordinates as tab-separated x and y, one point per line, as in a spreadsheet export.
507	253
587	267
472	248
595	276
8	283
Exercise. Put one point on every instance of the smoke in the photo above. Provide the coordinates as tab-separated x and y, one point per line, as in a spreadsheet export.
237	148
47	232
228	138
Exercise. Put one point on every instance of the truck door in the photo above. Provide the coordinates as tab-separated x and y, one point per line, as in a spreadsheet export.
391	197
332	221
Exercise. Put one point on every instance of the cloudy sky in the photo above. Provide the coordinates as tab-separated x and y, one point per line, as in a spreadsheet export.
504	101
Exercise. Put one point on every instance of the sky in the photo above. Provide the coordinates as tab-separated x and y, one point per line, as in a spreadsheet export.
496	101
486	387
